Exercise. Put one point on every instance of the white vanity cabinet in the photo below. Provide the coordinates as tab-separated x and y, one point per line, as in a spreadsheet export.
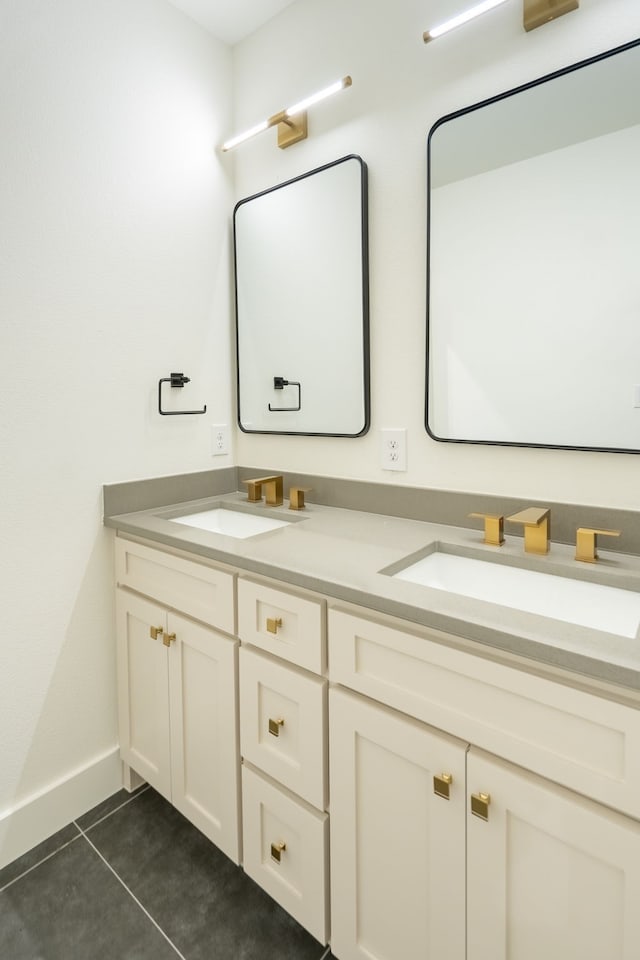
283	735
549	873
480	808
177	683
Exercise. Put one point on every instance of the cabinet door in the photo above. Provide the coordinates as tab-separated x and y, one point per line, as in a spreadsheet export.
205	768
550	874
397	848
143	690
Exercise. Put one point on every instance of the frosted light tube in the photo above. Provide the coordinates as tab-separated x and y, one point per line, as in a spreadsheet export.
462	18
316	97
241	137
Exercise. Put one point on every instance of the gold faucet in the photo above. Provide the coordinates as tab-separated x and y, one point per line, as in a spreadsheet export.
537	528
273	490
586	542
493	528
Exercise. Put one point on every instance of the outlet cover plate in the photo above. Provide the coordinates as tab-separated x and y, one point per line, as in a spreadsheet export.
219	439
393	449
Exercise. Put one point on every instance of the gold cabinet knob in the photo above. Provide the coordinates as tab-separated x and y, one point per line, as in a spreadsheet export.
480	805
273	623
277	849
587	542
442	784
155	632
168	639
274	726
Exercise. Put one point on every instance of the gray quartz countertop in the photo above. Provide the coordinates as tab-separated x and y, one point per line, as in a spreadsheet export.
343	553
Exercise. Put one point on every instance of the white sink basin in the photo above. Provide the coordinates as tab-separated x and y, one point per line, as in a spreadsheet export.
574	601
230	523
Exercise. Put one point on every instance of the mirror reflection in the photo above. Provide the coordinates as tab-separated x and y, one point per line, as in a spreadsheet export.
534	285
302	312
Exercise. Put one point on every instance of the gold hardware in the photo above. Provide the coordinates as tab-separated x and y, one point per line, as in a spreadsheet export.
480	805
254	490
273	623
587	542
296	497
277	849
154	632
537	528
168	639
538	12
493	528
274	726
291	129
273	492
442	784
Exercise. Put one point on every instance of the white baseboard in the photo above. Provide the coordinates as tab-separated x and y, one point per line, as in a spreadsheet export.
39	816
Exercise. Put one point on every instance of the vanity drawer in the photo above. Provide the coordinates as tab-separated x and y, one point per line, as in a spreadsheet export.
581	740
283	724
276	825
285	624
202	592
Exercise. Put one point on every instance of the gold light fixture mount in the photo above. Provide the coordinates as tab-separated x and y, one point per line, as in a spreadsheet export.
538	12
290	129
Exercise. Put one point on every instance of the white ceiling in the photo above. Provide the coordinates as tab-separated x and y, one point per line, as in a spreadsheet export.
231	20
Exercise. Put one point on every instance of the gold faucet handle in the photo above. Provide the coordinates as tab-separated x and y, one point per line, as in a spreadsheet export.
296	497
493	527
537	528
254	490
587	542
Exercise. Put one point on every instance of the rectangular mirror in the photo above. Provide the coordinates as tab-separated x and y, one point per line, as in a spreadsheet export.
302	304
533	270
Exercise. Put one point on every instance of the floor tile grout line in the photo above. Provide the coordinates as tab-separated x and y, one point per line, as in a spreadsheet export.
77	836
111	812
132	895
40	862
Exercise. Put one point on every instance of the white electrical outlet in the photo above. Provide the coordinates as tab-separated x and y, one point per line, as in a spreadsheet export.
636	395
219	439
393	449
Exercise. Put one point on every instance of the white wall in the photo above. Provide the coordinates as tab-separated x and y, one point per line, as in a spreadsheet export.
400	88
114	271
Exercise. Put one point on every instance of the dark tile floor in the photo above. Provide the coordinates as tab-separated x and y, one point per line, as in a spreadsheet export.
133	880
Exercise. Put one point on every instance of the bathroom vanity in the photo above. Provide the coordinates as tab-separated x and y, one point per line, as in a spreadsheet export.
410	772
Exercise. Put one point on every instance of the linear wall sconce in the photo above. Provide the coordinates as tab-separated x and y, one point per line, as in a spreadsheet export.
534	14
291	122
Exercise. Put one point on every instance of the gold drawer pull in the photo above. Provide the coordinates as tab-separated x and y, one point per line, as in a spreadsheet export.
155	632
277	849
442	784
274	726
480	805
273	623
168	639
